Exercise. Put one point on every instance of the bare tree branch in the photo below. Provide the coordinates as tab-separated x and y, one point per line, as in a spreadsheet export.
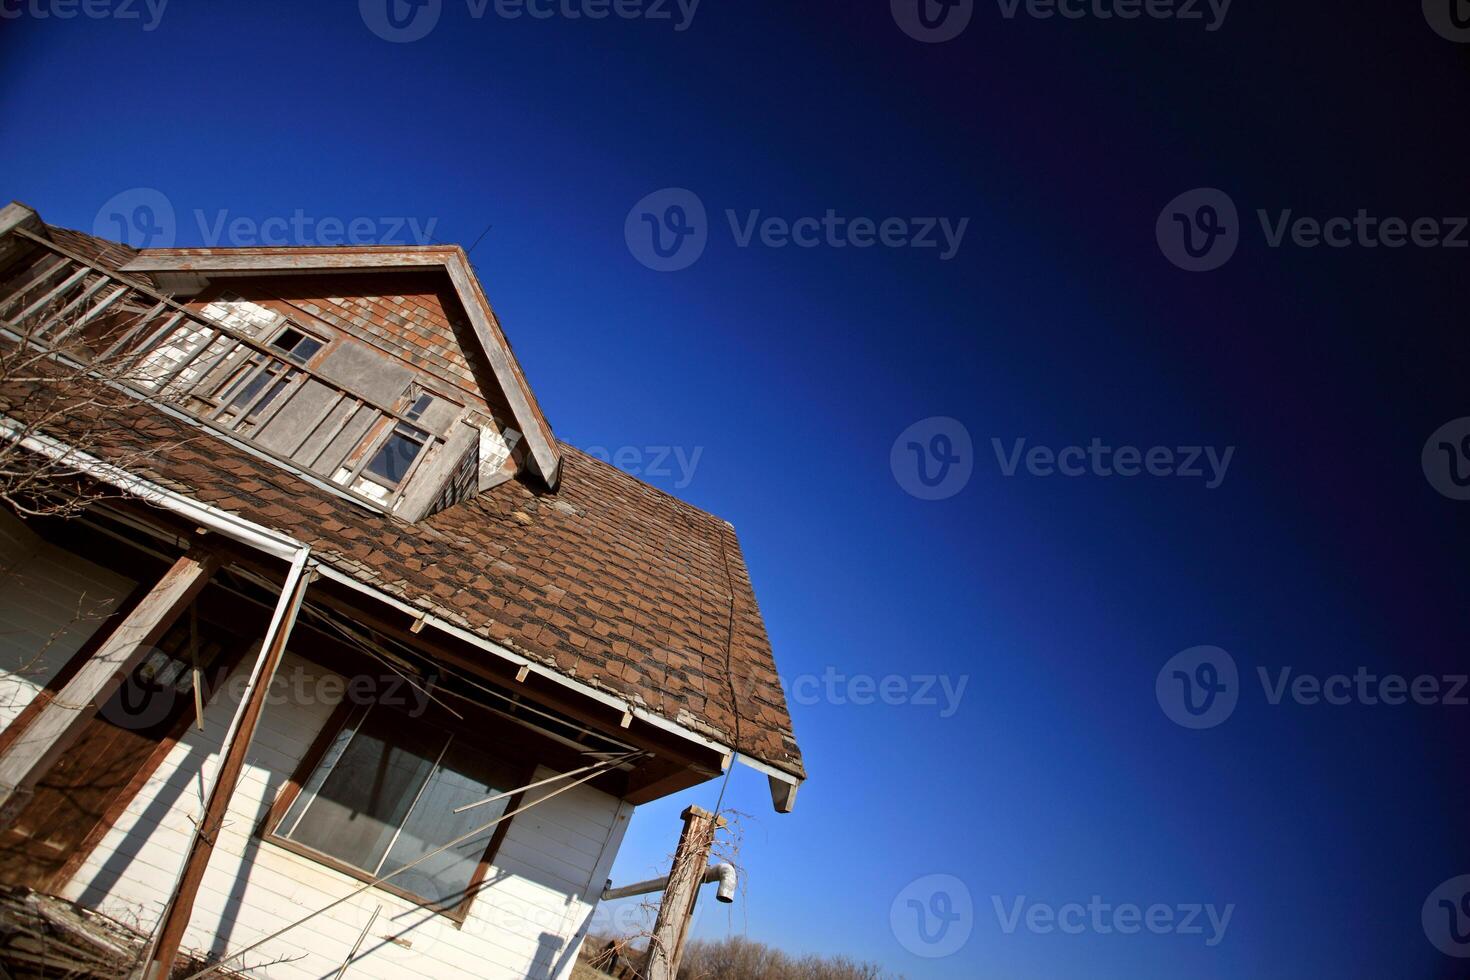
59	377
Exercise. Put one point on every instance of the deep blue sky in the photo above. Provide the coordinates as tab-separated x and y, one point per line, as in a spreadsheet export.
794	370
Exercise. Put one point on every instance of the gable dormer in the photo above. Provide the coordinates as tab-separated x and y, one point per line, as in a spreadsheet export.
381	374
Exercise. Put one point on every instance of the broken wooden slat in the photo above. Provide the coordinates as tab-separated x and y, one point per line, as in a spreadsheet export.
46	299
76	302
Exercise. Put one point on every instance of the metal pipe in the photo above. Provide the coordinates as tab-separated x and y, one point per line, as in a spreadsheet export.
724	873
358	945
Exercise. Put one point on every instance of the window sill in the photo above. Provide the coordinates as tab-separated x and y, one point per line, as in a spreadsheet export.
455	914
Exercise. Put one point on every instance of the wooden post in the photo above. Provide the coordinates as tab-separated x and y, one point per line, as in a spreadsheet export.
51	732
170	932
666	947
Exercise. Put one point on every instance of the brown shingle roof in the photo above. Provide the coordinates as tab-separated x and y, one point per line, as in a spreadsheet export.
607	579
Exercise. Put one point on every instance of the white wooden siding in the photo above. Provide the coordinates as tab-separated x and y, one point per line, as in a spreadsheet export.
51	602
529	920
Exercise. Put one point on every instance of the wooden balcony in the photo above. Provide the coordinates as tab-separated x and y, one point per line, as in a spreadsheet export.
241	387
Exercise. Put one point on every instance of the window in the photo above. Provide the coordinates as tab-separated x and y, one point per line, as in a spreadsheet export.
296	345
419	407
391	448
382	794
395	457
391	463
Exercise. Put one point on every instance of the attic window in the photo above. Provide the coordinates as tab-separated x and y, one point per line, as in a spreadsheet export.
296	345
252	381
395	457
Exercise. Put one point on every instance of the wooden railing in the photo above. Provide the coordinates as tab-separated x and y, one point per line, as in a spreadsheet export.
237	385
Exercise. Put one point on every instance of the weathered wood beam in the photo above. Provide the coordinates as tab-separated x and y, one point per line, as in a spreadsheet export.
180	906
246	261
16	215
661	777
671	929
783	794
53	730
487	330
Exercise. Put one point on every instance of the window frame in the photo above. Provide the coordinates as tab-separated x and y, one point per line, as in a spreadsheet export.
378	435
345	713
422	436
291	326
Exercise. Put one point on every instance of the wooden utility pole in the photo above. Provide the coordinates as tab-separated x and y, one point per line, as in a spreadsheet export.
51	732
176	913
666	947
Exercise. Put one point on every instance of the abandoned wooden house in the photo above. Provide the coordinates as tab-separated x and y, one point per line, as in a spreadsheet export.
344	661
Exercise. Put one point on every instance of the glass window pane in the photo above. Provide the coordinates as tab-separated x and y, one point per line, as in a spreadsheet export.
305	350
296	345
270	396
249	391
392	460
462	777
318	775
366	795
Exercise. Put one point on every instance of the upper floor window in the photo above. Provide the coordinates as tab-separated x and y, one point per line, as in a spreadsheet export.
389	452
419	407
297	346
395	457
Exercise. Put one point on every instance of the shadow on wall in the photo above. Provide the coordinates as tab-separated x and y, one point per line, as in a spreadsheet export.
546	962
182	792
165	798
168	796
